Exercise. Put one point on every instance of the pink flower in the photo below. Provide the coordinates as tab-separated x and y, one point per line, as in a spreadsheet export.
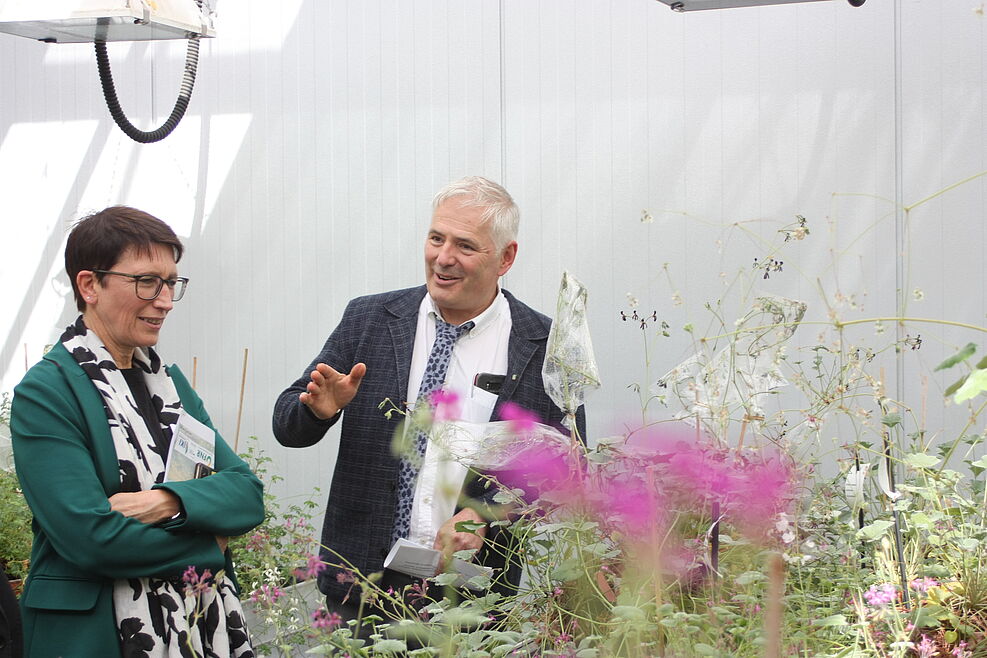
417	592
542	468
196	581
257	542
923	585
322	618
445	404
520	419
631	504
312	570
926	648
879	596
267	594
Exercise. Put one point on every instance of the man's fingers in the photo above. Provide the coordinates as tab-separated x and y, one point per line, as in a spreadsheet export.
357	373
326	371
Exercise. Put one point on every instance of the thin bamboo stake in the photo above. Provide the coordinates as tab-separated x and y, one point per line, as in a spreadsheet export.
743	431
239	411
772	606
895	514
195	370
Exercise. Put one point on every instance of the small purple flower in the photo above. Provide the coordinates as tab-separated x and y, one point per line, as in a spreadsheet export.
322	618
520	419
267	594
879	596
923	585
312	570
445	405
926	648
195	581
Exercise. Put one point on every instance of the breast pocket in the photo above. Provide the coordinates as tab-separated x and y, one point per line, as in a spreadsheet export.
61	593
478	406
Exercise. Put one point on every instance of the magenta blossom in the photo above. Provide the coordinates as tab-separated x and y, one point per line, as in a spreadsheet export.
631	504
520	419
322	618
313	568
926	648
879	596
267	594
544	470
923	585
445	405
197	582
687	473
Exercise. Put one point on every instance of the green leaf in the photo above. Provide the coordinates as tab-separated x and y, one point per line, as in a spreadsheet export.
967	544
704	649
469	526
446	579
749	577
955	386
962	355
980	463
891	420
921	460
920	520
832	620
975	384
390	646
628	613
875	530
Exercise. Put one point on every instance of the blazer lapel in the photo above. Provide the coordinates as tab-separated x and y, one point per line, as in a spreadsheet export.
526	333
519	353
102	448
402	329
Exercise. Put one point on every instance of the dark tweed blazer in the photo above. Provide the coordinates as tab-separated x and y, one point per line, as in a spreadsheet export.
379	330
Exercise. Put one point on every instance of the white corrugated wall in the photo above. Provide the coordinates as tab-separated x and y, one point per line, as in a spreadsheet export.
319	130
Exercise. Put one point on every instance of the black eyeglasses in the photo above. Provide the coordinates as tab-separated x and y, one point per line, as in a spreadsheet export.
148	286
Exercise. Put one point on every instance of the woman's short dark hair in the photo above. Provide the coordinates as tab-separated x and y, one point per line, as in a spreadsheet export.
98	241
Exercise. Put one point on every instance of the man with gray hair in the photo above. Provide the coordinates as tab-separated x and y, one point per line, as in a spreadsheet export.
459	333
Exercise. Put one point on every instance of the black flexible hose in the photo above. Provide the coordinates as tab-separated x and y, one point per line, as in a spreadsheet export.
181	103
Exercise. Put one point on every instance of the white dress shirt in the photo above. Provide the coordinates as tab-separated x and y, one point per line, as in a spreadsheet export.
482	349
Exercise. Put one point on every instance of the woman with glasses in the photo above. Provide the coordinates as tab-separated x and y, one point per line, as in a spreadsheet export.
126	560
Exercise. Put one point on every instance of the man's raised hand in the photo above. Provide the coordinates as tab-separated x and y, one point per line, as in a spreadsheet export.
329	391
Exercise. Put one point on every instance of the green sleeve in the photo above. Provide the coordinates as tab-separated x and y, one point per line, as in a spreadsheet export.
230	501
58	474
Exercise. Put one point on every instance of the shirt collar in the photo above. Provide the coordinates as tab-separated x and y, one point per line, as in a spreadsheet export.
480	322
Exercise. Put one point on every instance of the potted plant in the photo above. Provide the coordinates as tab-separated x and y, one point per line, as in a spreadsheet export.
15	516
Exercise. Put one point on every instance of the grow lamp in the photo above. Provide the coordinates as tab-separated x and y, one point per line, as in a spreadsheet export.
90	21
697	5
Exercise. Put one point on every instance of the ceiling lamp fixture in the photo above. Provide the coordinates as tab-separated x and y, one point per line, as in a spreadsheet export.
697	5
101	21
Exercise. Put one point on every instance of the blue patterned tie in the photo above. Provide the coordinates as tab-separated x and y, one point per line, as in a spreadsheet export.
433	378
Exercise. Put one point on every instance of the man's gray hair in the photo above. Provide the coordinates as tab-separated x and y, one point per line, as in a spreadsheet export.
498	207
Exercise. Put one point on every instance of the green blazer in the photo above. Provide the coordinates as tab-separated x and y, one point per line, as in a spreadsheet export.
67	466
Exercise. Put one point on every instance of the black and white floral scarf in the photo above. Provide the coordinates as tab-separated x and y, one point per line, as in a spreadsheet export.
156	618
